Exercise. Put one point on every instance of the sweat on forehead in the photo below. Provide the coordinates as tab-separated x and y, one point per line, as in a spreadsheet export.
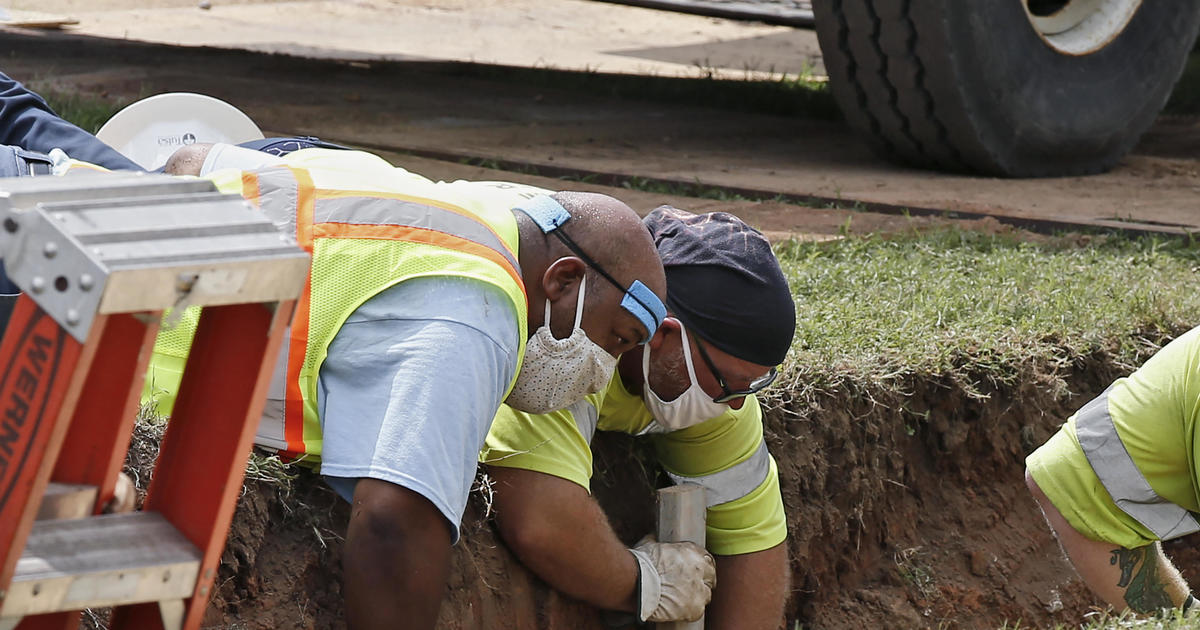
582	236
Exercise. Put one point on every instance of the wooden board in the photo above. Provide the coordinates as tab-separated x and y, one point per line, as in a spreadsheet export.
35	19
101	561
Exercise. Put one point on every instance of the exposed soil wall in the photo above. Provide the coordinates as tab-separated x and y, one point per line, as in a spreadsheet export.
905	511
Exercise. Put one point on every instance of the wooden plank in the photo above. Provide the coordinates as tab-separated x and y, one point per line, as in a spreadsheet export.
35	19
681	518
67	500
101	561
778	12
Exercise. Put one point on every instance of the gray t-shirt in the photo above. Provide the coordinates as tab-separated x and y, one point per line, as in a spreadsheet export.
411	384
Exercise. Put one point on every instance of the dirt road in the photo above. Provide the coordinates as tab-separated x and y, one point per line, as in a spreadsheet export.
566	34
432	108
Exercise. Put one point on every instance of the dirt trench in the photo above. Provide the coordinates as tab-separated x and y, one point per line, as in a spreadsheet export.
904	511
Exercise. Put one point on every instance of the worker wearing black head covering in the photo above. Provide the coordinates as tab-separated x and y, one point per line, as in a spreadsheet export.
724	283
730	323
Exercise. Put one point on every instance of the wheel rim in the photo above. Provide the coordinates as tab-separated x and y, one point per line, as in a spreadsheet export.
1079	27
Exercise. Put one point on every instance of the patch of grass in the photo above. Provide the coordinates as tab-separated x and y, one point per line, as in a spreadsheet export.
696	190
789	95
502	165
1168	620
143	446
88	112
270	469
148	433
979	308
912	567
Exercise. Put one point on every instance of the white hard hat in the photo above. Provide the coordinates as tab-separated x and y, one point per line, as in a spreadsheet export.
151	129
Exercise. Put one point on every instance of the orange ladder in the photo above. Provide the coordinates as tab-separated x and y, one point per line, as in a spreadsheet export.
100	257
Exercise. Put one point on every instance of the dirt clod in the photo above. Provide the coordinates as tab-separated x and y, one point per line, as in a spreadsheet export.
980	563
899	612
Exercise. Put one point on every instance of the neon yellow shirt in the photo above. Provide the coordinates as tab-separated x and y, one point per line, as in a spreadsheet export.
1155	411
723	454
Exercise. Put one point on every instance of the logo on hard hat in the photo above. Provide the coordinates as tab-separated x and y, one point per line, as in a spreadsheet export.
189	138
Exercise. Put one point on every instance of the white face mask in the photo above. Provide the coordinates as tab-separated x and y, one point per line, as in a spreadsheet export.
691	407
560	372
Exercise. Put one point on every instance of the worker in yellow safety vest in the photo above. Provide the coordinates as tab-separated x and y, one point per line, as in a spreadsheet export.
428	305
1123	474
731	318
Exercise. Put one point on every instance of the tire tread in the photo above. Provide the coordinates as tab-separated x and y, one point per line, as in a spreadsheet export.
878	39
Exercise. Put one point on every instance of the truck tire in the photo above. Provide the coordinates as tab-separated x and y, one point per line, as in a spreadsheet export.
1004	87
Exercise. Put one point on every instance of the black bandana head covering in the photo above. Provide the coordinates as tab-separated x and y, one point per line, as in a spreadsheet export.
724	283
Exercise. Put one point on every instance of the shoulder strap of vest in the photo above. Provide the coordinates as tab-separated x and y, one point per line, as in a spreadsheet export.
387	210
290	198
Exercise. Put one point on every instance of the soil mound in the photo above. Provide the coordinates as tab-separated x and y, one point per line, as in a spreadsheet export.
905	504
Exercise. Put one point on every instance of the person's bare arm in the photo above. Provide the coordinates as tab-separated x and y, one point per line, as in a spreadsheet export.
557	530
396	559
1140	579
751	591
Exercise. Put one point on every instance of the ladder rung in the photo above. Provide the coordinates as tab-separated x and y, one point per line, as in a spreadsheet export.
101	561
67	500
141	244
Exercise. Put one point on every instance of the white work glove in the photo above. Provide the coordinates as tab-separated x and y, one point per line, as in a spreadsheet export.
675	580
124	496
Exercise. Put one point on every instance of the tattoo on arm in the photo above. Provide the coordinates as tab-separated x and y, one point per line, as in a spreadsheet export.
1145	591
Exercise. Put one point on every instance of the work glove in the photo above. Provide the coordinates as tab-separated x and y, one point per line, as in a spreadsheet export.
675	580
124	496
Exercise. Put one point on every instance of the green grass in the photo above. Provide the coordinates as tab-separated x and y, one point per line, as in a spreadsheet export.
982	311
1169	620
148	433
696	190
980	308
1172	620
791	95
88	112
786	94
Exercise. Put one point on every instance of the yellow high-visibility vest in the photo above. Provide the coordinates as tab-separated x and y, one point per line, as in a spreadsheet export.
368	226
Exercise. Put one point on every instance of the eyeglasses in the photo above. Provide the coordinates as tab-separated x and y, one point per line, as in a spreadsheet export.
652	310
727	394
638	299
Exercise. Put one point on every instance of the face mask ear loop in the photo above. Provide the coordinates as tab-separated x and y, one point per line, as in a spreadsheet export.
579	302
646	369
687	356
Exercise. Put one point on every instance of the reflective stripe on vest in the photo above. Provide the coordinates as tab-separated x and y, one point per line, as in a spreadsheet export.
411	236
289	197
586	419
338	214
1120	476
282	194
375	210
734	482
